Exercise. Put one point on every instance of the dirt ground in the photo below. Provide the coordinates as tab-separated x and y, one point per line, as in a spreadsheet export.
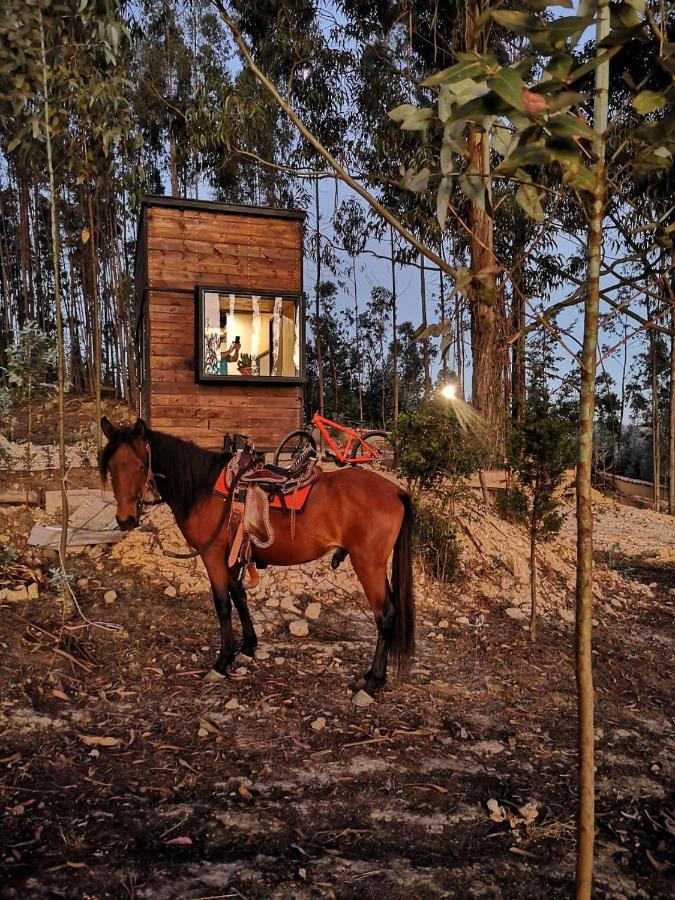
122	774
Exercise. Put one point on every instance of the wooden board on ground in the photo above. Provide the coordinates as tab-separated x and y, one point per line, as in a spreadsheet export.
75	499
92	523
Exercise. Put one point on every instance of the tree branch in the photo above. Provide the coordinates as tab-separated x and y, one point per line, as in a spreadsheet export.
318	146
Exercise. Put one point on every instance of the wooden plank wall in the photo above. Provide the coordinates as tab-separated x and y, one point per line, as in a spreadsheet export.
189	247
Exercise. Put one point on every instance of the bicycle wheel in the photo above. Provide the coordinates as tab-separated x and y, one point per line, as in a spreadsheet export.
379	441
293	445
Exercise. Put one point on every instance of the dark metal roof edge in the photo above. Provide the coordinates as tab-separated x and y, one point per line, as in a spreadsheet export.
213	206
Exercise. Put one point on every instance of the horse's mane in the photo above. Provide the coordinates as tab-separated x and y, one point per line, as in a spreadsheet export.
184	472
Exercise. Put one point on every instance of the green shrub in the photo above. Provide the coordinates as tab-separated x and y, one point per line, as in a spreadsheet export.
437	545
511	505
431	447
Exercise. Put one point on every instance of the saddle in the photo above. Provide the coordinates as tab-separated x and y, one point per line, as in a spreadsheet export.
258	488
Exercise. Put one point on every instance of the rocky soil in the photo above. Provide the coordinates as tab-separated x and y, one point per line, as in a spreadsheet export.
123	774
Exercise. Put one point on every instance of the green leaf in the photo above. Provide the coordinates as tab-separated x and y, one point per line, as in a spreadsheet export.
446	344
566	26
567	125
620	36
563	150
415	181
473	186
471	65
648	101
564	100
419	120
446	99
527	198
592	64
509	86
478	109
401	113
503	140
463	281
535	154
449	147
560	65
541	5
422	332
578	176
442	200
520	22
468	89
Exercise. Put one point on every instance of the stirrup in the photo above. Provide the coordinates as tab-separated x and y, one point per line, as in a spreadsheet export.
251	577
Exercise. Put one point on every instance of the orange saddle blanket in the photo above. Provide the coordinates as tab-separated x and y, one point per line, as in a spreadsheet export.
295	500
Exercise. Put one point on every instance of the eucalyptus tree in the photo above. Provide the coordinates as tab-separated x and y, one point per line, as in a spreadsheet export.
535	100
42	77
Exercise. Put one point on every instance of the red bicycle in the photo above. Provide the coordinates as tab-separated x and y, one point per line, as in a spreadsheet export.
345	445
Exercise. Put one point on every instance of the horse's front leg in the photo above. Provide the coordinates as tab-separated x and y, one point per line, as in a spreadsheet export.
221	601
238	594
217	571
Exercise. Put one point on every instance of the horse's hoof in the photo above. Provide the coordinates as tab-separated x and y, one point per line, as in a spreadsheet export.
373	685
247	650
213	677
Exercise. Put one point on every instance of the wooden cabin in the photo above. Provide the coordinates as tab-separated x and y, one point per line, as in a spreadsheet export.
220	320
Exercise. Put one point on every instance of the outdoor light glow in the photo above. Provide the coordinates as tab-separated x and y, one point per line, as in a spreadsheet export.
449	392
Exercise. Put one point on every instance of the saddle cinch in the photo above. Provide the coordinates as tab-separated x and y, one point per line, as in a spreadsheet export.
257	489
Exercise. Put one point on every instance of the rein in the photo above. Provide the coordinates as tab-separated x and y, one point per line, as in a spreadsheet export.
205	546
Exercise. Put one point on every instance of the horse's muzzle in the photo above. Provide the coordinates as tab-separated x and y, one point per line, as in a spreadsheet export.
128	523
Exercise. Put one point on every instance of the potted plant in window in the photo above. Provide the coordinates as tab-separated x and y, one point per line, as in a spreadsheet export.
245	365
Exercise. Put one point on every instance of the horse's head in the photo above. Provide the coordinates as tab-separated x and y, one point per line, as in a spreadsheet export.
126	457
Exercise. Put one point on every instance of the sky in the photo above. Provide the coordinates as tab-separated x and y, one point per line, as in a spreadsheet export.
373	271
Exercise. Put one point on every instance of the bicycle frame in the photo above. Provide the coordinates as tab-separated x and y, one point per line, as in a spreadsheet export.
352	437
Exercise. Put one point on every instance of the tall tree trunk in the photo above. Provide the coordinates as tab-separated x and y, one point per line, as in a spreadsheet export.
619	436
22	246
317	300
486	338
671	417
394	340
56	260
487	351
441	289
533	578
425	342
359	362
584	614
96	322
518	390
656	422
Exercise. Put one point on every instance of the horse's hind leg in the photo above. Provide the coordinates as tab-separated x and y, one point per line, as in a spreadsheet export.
376	588
250	639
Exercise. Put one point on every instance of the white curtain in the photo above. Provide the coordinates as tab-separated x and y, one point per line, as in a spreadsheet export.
255	332
230	323
276	326
296	342
211	334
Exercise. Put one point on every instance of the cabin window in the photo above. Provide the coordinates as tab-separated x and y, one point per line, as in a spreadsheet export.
248	335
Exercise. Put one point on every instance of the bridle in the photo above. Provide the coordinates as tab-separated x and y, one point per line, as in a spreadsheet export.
150	485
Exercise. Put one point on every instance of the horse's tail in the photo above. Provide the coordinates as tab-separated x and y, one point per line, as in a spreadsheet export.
403	637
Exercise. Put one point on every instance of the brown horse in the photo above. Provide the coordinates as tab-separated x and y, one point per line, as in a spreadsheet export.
351	512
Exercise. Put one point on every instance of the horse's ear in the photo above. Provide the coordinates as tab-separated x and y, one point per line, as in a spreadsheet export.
107	428
140	428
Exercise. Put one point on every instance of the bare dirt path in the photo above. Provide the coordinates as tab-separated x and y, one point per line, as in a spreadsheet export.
123	775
